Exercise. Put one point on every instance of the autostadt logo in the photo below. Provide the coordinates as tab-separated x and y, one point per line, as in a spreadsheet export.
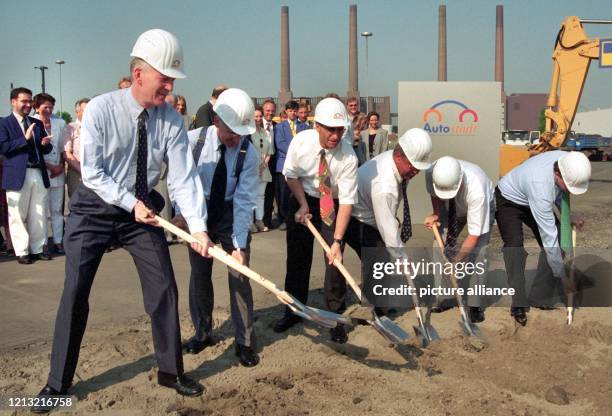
458	119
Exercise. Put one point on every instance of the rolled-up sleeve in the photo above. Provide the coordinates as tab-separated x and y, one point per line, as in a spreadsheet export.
291	167
245	199
347	182
92	161
184	185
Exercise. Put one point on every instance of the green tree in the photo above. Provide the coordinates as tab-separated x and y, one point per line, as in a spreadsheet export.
65	115
542	120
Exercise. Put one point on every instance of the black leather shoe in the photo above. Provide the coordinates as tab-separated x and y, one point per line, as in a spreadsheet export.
195	346
182	384
519	314
59	249
41	256
476	314
24	259
47	391
338	334
286	322
248	357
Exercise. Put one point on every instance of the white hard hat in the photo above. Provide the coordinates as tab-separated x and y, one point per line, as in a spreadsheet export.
417	146
331	113
236	109
575	170
161	50
447	177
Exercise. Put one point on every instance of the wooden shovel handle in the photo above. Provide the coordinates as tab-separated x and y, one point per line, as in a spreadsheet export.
225	258
453	279
347	276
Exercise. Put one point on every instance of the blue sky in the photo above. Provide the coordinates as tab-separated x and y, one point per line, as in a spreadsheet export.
237	43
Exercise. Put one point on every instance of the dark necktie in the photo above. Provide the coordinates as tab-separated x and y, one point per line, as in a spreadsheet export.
217	189
142	186
406	232
452	230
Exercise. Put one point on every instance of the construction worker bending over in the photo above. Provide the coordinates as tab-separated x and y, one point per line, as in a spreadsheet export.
321	172
462	194
527	195
227	164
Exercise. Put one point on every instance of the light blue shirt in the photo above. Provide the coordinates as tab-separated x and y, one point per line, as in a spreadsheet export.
109	146
244	195
532	184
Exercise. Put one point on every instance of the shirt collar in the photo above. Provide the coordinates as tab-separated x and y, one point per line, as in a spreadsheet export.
19	117
133	106
395	171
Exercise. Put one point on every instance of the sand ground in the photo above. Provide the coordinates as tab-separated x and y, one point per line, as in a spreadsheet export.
546	368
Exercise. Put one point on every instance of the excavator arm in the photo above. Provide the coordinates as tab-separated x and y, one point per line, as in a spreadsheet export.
571	57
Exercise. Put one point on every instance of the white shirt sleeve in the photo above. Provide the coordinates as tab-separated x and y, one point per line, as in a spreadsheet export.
92	161
541	208
385	206
347	182
291	168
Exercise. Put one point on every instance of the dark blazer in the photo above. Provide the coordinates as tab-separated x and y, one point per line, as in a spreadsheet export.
204	116
14	147
282	139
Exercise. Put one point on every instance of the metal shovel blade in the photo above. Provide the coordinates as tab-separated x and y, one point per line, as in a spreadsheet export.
426	334
309	315
330	316
390	330
471	329
360	312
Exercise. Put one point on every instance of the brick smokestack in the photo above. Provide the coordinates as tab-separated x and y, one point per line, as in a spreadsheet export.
285	93
499	45
353	82
442	43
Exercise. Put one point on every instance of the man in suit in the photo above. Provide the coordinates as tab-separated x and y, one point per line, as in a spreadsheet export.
23	142
302	116
283	133
205	115
376	139
269	109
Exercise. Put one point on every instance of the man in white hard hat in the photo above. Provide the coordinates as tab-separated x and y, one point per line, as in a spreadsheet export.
125	136
228	167
382	184
462	194
527	195
321	172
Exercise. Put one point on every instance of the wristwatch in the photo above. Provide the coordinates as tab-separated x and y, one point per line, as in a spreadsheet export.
339	241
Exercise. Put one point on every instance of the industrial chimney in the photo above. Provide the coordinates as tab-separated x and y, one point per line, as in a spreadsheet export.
499	45
442	43
285	93
353	83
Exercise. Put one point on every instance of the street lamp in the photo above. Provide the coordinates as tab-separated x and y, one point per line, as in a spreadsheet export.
366	35
42	72
61	62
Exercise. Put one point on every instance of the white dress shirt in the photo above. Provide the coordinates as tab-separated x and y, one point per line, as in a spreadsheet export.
378	196
54	157
109	145
475	198
243	193
532	184
303	159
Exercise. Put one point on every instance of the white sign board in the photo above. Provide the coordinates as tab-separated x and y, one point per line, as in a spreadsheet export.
464	120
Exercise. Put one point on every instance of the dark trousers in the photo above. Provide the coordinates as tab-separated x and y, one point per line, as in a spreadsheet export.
282	198
91	227
360	235
269	202
510	219
201	292
300	243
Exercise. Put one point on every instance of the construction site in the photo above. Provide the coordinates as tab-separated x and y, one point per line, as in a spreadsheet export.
555	365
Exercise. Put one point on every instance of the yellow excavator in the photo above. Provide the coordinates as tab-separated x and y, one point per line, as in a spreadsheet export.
572	56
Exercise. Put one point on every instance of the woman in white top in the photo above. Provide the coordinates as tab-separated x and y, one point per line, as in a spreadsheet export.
55	127
265	149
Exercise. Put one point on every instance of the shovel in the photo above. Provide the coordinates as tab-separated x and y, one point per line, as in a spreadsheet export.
469	327
425	332
323	318
570	296
385	326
